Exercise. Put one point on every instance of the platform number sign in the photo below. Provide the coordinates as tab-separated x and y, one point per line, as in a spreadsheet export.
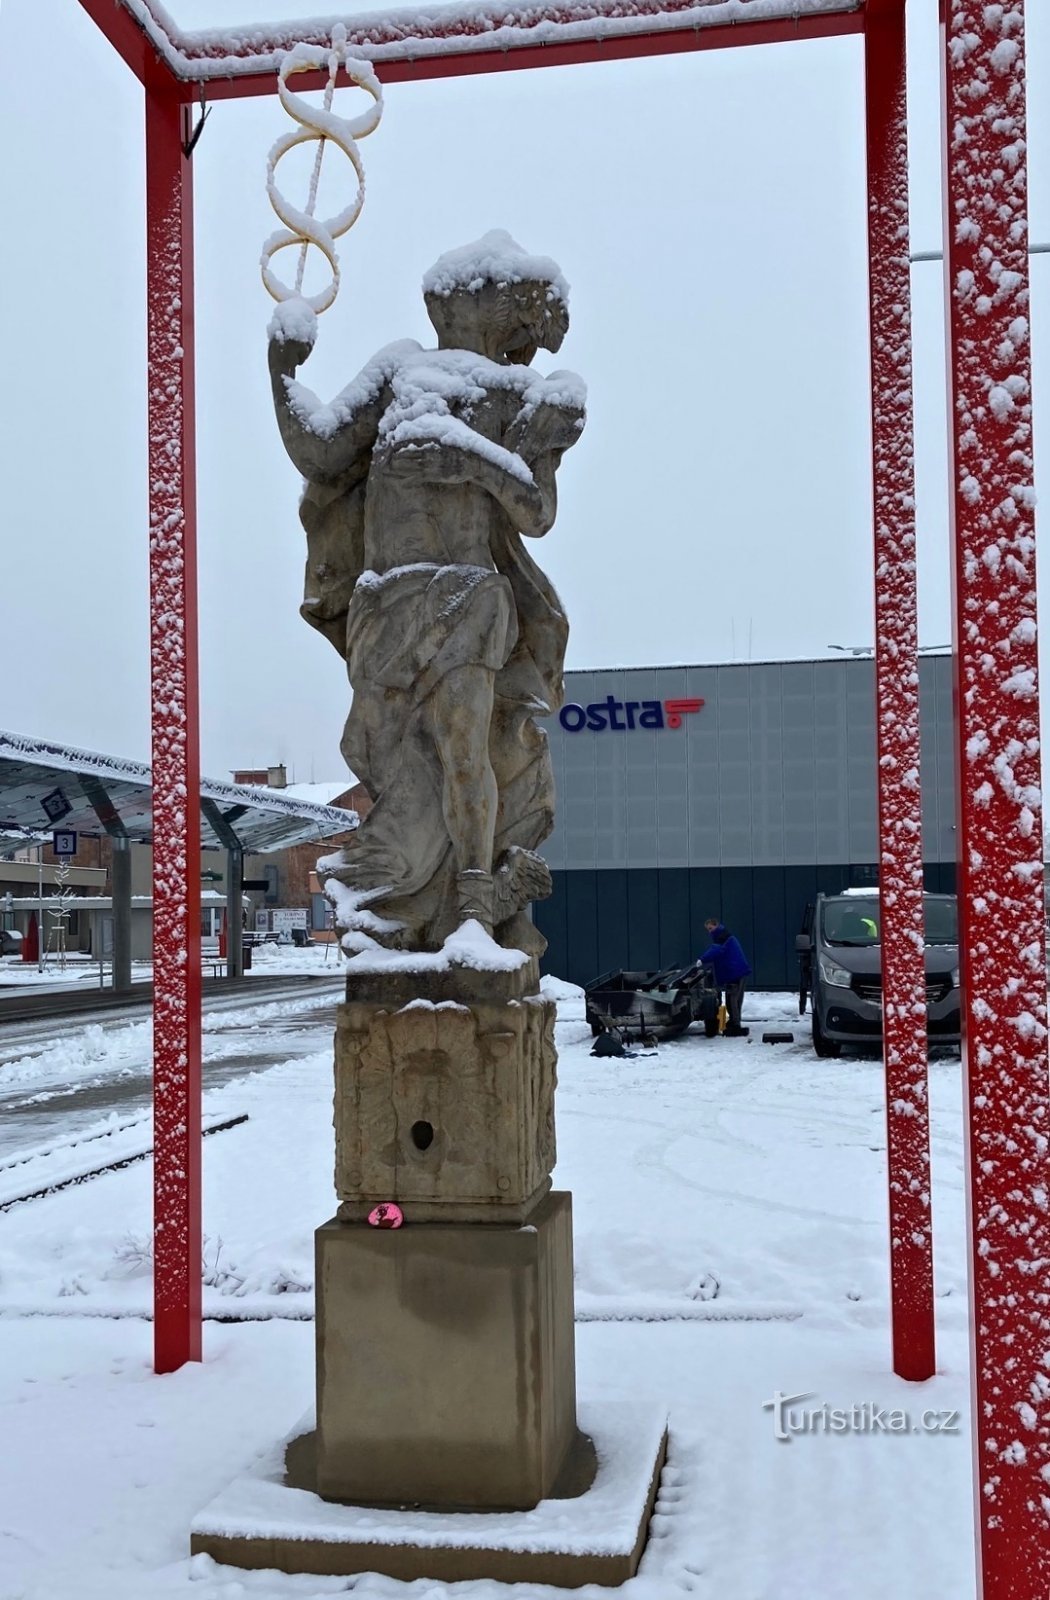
64	842
56	806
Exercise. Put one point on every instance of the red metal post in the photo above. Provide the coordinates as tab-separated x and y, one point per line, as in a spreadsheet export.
999	801
176	754
897	693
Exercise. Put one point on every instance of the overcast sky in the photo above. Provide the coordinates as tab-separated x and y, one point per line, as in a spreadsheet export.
708	211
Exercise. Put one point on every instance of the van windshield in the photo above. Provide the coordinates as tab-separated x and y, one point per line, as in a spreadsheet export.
851	920
855	920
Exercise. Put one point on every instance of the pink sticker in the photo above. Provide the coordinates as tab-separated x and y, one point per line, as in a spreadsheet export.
388	1215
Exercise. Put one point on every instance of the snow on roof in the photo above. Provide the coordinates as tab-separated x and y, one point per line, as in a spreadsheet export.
264	818
320	794
410	32
494	258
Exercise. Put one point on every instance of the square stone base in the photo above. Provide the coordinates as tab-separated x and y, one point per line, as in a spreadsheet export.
259	1522
445	1362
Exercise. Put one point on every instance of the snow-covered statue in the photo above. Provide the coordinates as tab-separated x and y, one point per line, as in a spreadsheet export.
422	476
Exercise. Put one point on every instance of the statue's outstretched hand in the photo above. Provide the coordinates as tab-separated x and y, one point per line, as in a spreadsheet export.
293	332
287	355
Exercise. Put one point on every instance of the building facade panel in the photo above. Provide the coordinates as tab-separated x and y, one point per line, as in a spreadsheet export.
741	806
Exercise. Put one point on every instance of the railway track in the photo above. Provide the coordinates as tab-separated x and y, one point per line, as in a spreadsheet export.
23	1007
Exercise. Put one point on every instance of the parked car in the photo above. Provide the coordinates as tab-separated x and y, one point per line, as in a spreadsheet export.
840	969
653	1005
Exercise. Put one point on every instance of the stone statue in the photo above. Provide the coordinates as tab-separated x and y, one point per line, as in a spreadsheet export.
421	478
445	1350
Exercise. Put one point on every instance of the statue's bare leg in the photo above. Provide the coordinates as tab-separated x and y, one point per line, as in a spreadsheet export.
461	719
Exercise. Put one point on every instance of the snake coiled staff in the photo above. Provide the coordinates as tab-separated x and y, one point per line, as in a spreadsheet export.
321	125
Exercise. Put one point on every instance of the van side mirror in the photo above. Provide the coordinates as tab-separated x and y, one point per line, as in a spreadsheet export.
803	943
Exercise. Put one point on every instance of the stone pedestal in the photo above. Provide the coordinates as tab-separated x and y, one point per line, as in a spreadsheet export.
445	1348
444	1101
446	1375
445	1363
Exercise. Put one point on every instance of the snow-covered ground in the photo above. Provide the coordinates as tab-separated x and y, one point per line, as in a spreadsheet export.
60	1080
268	960
18	974
730	1217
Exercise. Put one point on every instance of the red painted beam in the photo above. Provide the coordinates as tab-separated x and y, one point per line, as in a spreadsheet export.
570	53
175	740
131	44
491	58
999	789
897	691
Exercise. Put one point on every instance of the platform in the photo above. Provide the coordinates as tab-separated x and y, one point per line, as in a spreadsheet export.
258	1522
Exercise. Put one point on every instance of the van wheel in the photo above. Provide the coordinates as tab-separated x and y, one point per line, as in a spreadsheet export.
824	1046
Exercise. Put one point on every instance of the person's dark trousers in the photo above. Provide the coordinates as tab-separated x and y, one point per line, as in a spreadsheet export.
734	1002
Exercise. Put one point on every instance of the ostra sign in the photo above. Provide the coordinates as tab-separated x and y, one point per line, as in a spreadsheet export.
618	716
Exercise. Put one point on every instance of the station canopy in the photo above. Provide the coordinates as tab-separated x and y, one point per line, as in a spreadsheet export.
45	786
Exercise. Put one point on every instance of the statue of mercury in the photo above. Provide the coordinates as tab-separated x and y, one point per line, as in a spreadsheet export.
421	478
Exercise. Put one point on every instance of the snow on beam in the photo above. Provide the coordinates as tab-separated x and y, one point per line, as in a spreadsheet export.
445	40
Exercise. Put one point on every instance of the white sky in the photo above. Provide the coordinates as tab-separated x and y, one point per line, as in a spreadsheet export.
708	211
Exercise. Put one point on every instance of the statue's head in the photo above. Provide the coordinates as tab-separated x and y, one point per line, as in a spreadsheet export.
495	298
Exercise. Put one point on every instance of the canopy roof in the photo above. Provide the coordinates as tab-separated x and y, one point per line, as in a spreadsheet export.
235	56
105	794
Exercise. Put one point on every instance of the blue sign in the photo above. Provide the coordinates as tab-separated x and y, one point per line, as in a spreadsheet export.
618	716
55	805
64	842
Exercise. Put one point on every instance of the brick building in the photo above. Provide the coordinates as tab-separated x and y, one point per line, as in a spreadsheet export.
291	871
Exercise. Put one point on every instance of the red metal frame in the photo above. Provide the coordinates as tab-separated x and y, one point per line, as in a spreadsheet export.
897	696
173	605
999	803
176	743
999	835
485	48
563	53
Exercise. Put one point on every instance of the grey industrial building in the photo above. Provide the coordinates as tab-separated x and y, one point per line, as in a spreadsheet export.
737	791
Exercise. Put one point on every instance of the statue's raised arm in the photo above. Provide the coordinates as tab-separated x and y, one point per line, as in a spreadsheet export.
326	441
331	445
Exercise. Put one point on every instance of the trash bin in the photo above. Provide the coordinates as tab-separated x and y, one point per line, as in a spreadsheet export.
300	938
246	954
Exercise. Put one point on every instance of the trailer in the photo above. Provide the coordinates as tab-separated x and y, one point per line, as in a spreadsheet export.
653	1005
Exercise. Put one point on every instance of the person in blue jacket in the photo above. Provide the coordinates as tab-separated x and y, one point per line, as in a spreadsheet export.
731	969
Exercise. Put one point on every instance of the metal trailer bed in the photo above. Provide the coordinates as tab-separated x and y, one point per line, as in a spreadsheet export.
653	1005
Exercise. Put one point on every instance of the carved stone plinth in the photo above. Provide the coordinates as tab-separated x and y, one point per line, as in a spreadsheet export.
444	1106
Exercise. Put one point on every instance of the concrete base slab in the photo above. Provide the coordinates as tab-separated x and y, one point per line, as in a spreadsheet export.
259	1522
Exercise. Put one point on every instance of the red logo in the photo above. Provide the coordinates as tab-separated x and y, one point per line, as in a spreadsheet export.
677	709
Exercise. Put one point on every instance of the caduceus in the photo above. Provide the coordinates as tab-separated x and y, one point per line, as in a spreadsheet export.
322	125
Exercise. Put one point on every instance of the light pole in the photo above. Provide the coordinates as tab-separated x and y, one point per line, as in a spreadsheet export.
40	912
